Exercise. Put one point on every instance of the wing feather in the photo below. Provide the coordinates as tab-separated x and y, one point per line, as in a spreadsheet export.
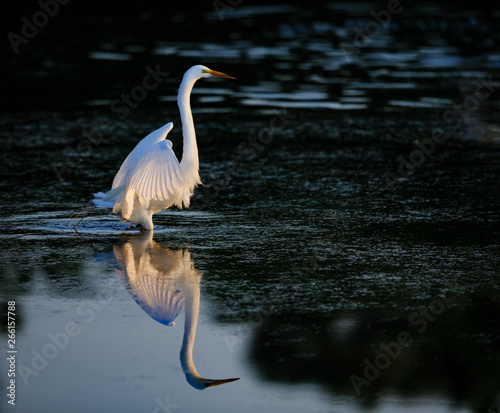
128	204
142	147
157	174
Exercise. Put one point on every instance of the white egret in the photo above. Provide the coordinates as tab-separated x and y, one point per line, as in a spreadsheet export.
163	281
151	178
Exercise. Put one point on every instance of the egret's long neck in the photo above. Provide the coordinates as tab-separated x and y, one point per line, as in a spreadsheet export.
190	150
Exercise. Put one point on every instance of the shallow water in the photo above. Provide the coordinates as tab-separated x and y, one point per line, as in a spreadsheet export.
331	275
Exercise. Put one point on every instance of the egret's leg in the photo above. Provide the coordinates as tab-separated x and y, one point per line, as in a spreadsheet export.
77	214
140	227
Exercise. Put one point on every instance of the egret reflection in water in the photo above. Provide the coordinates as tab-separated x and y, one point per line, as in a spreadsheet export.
162	281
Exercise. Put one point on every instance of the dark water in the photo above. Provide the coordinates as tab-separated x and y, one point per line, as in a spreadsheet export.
345	246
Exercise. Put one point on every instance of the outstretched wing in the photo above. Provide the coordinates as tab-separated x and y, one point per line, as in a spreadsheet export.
137	153
156	176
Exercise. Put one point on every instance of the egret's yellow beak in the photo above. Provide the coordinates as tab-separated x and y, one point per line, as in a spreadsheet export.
218	74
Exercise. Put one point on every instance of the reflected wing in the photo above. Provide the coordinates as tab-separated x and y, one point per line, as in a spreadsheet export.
157	175
150	285
142	147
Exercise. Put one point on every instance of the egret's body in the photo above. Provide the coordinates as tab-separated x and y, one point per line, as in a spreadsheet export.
151	178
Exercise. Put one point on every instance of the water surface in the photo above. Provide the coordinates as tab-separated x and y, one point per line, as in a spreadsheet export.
317	251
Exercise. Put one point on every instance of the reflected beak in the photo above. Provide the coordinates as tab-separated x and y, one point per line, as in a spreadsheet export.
211	382
219	74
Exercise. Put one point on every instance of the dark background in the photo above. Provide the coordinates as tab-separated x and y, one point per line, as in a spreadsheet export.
311	224
54	70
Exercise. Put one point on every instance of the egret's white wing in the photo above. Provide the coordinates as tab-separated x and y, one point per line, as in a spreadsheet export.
142	147
157	176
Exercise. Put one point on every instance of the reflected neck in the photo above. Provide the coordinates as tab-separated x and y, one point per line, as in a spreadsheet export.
192	309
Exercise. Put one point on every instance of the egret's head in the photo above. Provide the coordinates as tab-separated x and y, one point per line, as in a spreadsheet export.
203	71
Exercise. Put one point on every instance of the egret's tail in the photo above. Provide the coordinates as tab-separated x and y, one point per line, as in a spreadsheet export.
108	199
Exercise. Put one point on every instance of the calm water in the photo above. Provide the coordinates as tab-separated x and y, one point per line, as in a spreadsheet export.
337	259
